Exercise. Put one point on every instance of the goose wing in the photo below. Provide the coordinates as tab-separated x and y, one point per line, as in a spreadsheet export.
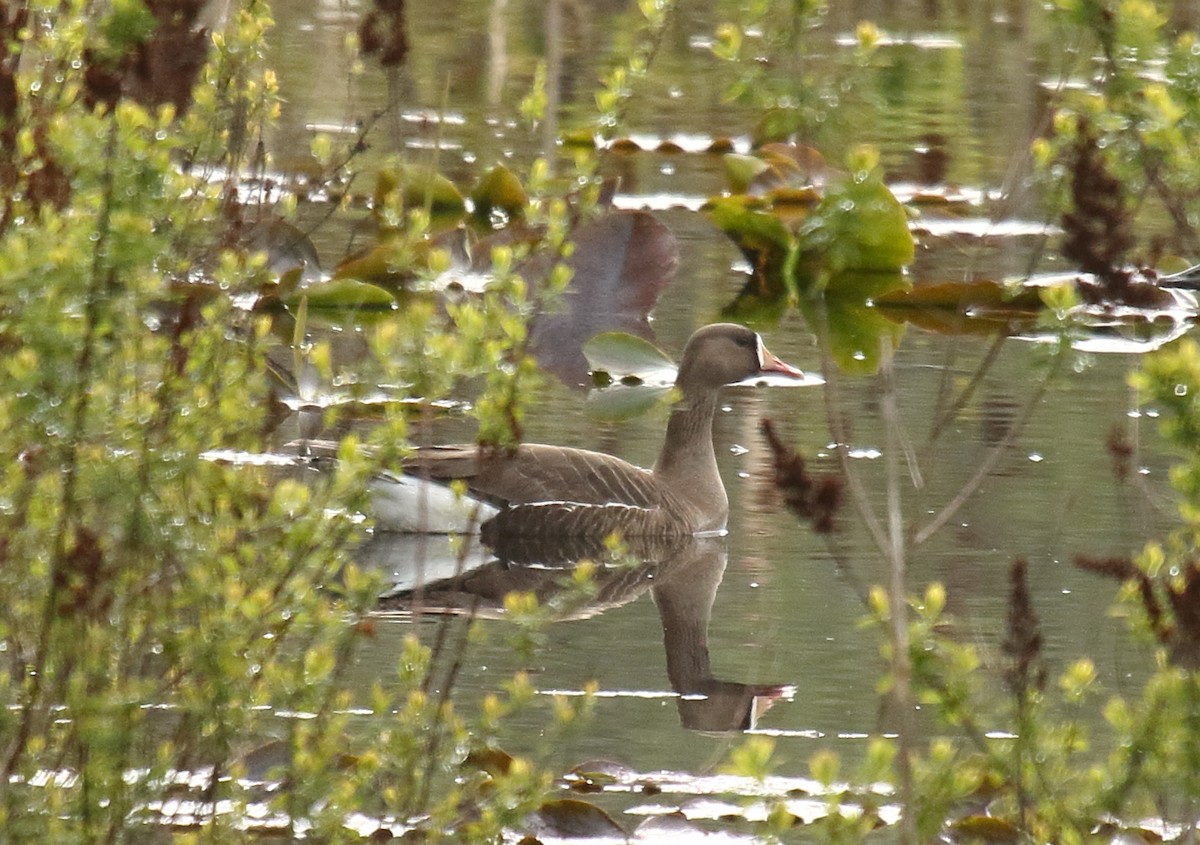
539	473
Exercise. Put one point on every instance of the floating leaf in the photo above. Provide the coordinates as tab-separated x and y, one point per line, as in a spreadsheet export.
776	125
749	226
620	265
621	354
421	189
987	829
344	293
290	252
499	197
866	286
570	818
387	263
494	761
860	226
741	171
595	775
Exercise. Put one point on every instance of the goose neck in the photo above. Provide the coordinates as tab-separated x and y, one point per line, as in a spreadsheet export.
687	455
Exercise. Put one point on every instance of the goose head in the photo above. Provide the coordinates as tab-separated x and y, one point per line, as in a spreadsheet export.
725	353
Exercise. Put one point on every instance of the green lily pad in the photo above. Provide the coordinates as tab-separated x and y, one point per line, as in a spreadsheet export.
741	171
860	226
621	354
344	293
499	194
423	189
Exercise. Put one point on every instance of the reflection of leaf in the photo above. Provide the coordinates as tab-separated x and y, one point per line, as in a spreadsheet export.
344	293
620	402
499	197
621	354
756	305
856	329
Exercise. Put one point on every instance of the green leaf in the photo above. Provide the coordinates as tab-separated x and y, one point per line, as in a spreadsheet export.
741	171
621	354
860	226
498	194
777	125
343	293
423	189
749	227
865	286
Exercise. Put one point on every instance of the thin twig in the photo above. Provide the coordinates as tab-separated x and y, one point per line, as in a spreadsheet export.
990	460
967	392
833	420
898	598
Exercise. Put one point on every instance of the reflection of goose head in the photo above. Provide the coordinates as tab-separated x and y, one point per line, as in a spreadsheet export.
544	490
683	575
685	597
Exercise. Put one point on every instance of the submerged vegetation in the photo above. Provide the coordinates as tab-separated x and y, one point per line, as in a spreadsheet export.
184	601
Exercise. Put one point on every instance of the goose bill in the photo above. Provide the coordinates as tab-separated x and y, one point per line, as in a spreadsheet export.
768	363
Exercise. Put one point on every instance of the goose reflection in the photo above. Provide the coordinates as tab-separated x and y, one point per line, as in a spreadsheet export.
681	574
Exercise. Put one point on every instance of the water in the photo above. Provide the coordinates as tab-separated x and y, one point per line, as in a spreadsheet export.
787	603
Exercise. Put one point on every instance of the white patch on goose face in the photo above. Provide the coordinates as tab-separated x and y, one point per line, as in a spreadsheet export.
761	349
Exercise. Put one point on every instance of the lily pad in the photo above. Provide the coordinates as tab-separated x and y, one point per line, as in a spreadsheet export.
742	170
860	226
344	294
381	264
423	189
620	264
620	354
570	818
498	198
988	829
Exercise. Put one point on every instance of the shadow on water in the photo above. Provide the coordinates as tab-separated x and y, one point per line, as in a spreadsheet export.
443	575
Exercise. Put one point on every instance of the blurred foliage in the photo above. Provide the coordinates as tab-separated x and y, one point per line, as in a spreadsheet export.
1145	123
166	610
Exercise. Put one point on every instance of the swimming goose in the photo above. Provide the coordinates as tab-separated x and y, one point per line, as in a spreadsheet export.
541	490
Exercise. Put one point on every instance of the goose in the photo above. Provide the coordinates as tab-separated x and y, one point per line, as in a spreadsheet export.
545	490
